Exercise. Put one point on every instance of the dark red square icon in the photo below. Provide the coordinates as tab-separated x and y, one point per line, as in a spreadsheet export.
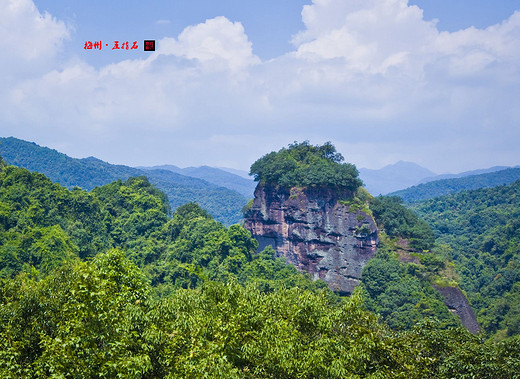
149	45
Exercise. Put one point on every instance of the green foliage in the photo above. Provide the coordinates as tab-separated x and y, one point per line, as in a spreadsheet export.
97	319
481	229
203	303
248	206
401	294
83	320
43	225
398	221
232	331
302	165
224	204
198	247
443	187
456	353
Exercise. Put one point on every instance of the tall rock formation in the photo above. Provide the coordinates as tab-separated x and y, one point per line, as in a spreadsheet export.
315	231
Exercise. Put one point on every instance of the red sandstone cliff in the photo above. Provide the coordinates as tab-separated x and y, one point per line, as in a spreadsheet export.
314	232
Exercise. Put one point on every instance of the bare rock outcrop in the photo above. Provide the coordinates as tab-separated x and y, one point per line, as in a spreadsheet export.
459	305
315	232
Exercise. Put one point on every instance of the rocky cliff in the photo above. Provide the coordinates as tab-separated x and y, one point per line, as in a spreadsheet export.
315	231
459	305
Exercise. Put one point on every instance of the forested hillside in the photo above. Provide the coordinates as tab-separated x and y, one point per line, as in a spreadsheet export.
44	225
107	284
438	188
222	203
480	231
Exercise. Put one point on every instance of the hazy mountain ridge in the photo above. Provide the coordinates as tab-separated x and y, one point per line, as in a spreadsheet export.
464	174
223	203
241	173
443	187
393	177
403	175
220	177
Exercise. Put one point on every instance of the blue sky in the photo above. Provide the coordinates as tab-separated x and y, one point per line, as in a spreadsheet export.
431	81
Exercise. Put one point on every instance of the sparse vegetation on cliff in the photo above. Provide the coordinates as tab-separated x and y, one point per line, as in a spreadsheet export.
303	164
398	221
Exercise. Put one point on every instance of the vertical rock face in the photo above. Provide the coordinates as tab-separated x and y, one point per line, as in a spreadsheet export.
314	232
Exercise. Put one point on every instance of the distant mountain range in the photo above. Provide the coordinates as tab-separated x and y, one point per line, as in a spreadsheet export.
242	173
442	187
463	174
224	191
393	177
220	177
402	175
222	203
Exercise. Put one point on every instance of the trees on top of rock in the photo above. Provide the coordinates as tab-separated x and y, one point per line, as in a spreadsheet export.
303	164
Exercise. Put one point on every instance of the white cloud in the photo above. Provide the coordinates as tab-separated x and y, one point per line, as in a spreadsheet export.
218	42
372	76
29	40
370	36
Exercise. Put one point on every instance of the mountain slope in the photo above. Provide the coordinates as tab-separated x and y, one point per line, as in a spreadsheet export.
222	178
241	173
222	203
480	231
393	177
464	174
447	186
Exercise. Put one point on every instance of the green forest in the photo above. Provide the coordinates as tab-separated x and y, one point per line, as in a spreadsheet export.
112	283
479	231
222	203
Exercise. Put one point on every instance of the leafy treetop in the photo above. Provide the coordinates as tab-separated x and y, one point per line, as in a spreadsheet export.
303	164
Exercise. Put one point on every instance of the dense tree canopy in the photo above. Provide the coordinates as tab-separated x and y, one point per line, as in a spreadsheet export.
480	231
42	225
222	203
401	293
303	164
109	284
398	221
98	319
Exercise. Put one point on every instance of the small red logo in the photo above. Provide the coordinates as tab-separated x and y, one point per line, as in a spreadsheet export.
149	45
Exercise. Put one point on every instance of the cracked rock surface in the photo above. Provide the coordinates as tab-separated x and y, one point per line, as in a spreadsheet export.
314	232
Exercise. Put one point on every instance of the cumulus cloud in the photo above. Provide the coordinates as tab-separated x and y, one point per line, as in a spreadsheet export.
218	43
370	36
373	76
30	39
